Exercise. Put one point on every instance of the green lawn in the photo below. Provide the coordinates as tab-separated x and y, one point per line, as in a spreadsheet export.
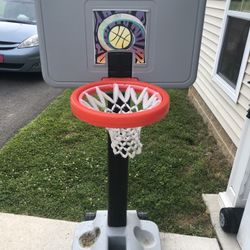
56	167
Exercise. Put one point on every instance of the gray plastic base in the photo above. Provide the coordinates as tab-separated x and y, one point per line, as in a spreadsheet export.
97	235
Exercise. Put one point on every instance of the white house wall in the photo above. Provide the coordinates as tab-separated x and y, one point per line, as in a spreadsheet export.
230	115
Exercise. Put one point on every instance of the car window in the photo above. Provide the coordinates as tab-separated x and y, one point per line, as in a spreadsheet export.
22	11
2	4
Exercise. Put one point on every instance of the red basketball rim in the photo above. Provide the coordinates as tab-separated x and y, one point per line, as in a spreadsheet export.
113	120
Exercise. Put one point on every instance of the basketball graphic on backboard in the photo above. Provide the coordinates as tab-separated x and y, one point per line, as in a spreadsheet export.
120	30
120	37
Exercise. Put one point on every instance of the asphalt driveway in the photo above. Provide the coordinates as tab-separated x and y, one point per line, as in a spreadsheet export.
22	97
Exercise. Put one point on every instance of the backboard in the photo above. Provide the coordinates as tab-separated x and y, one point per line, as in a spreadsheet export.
164	36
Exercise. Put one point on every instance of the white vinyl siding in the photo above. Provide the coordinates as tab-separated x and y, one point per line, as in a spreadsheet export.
231	115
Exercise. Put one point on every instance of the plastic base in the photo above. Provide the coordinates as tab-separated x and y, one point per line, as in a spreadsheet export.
97	235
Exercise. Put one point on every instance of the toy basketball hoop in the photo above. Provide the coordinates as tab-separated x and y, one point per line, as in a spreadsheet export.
123	107
157	41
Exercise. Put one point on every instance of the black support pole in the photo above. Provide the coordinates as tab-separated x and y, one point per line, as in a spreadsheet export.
117	190
119	65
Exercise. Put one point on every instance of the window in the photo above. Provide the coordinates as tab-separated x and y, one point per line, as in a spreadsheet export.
22	11
234	47
2	3
240	5
232	50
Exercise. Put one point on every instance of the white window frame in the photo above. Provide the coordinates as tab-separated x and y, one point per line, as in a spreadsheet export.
233	93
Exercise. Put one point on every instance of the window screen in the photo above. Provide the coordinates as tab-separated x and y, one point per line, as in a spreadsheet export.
233	49
240	5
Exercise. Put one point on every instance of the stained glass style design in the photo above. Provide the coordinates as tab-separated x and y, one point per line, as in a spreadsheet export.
120	30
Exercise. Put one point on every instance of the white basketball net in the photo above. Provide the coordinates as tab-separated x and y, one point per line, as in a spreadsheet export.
124	141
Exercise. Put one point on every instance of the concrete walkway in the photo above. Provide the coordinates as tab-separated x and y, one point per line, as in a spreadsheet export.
18	232
227	241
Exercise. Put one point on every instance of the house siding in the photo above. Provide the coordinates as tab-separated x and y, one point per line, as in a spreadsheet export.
229	114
